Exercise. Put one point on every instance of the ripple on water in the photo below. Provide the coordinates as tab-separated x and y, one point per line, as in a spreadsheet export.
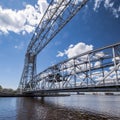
60	108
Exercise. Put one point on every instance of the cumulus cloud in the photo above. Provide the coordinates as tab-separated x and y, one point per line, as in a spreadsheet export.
22	20
74	50
60	54
25	20
97	64
99	55
108	5
97	4
20	46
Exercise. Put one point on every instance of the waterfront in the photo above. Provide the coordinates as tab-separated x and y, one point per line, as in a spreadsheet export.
74	107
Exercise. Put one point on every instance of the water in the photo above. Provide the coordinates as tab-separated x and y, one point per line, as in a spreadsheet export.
75	107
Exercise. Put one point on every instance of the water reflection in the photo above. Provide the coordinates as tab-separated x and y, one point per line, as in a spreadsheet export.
29	109
58	109
77	107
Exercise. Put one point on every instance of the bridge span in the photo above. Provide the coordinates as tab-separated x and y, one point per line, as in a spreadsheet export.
93	71
96	70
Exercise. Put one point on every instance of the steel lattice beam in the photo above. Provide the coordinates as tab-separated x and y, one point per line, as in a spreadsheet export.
55	18
57	15
82	72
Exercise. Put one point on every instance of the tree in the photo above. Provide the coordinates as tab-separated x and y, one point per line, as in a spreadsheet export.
1	88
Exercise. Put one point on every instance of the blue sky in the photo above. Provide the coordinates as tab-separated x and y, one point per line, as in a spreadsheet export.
96	25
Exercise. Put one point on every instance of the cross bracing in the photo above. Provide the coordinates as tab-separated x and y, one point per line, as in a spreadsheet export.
97	68
57	15
94	69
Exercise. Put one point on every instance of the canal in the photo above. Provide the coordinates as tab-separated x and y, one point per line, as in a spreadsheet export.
74	107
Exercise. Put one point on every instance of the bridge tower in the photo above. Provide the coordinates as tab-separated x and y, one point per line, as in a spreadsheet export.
57	15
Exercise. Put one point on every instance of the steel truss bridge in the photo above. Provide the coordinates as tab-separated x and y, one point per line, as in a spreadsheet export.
97	70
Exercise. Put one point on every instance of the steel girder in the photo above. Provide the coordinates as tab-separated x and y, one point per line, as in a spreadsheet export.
57	15
97	68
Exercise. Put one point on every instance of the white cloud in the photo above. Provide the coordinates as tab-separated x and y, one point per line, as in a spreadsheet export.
42	5
97	4
99	55
28	18
109	5
97	64
74	50
60	54
22	20
20	46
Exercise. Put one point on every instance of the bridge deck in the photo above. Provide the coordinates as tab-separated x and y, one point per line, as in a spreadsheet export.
110	88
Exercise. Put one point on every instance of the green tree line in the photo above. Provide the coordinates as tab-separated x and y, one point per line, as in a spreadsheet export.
6	90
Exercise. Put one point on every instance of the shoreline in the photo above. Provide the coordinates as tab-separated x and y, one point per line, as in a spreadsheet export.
24	95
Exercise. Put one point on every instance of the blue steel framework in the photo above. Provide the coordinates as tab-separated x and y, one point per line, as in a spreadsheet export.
75	72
